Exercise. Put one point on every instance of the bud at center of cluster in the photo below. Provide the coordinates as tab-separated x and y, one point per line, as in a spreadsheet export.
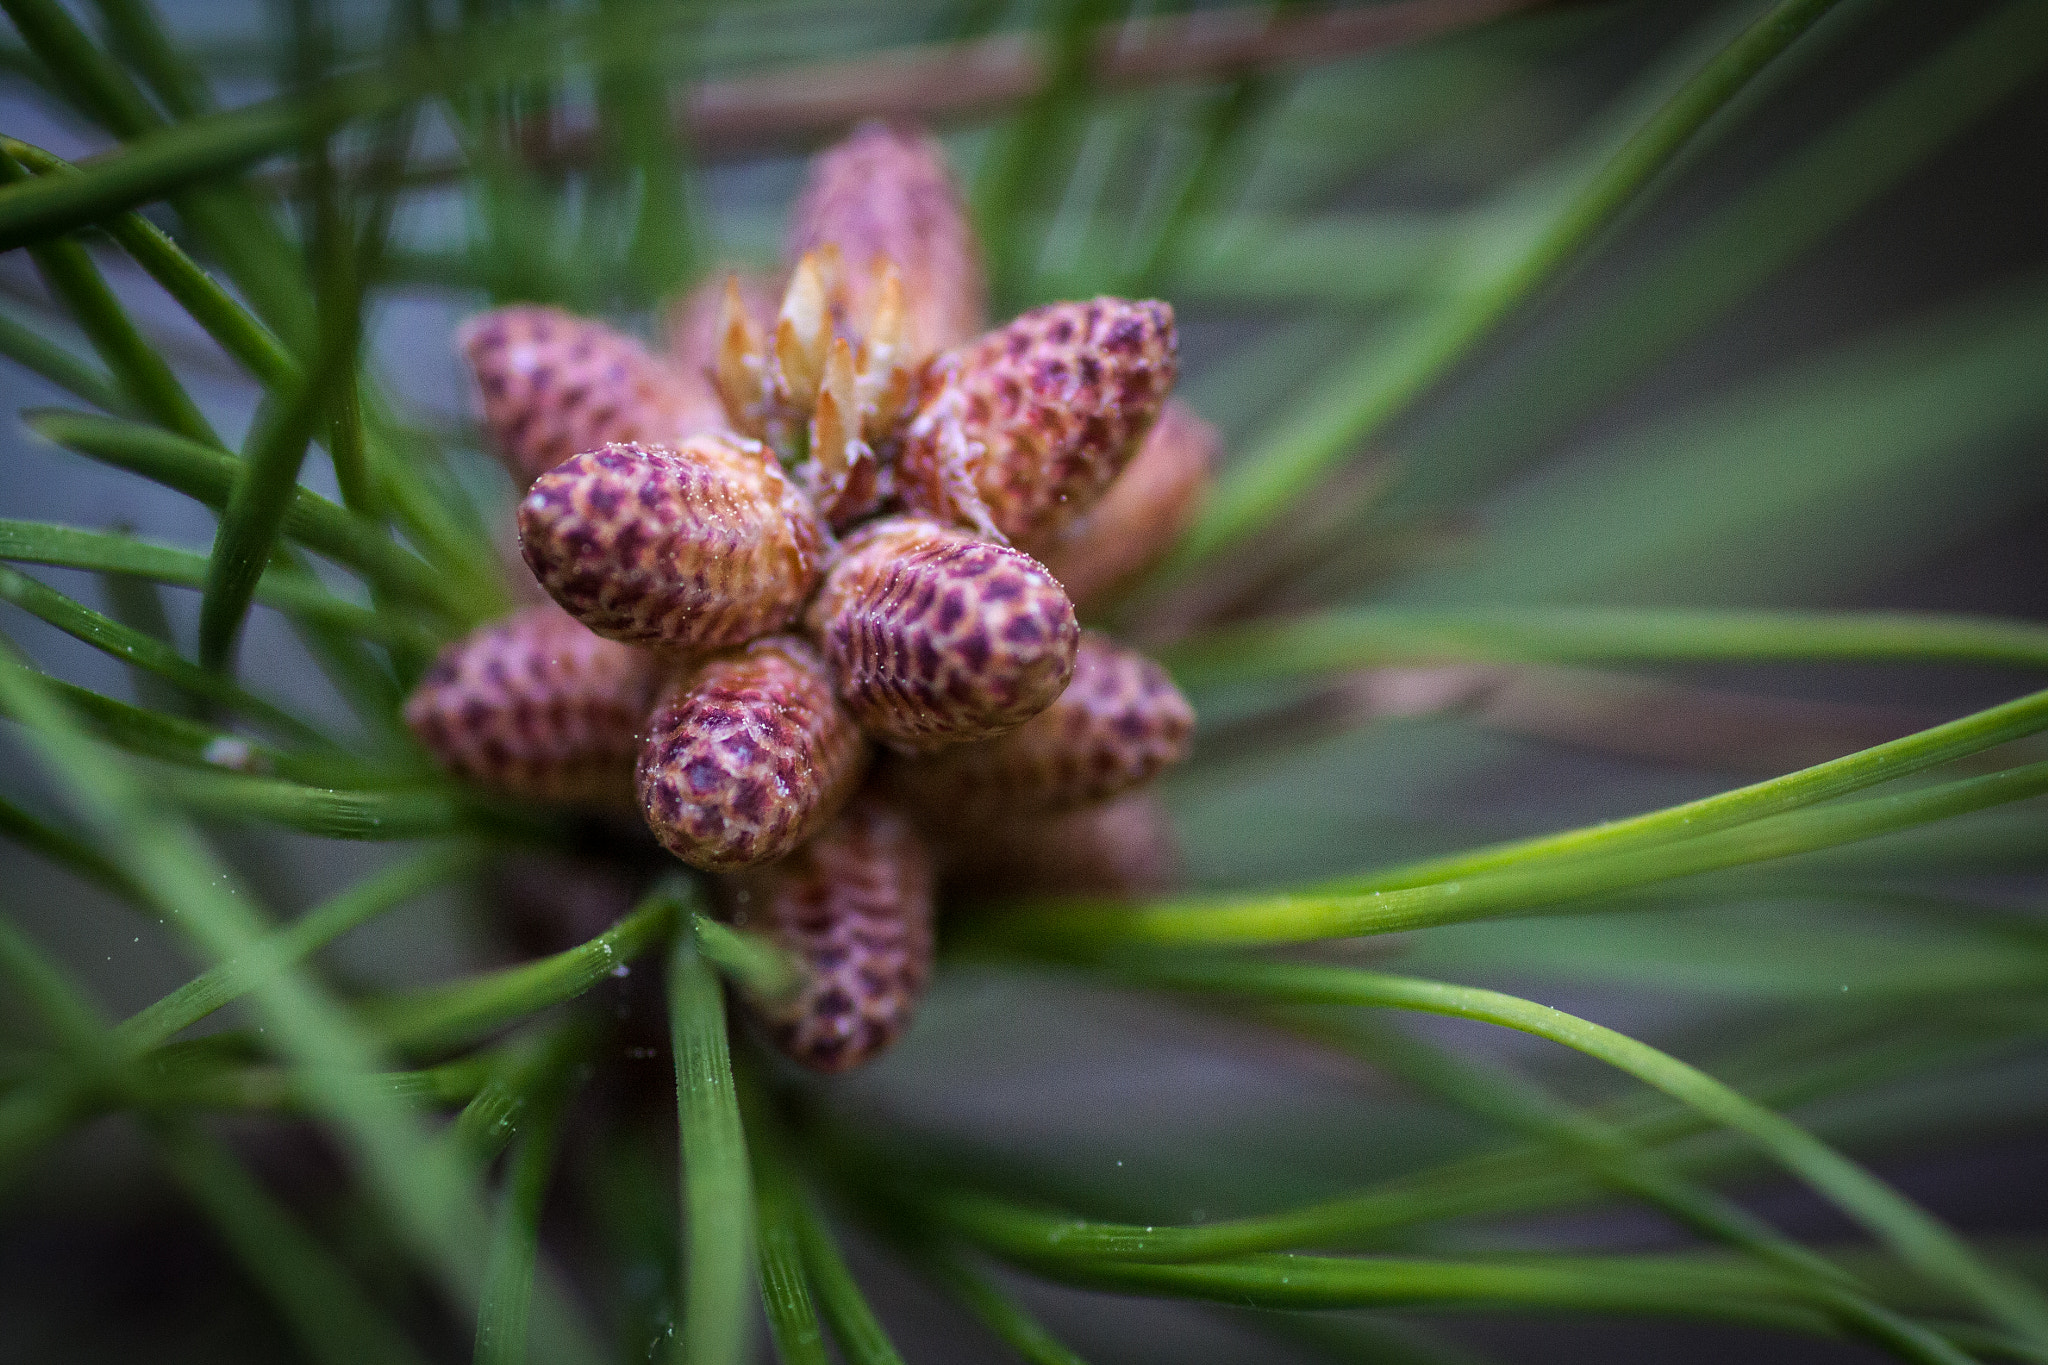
817	526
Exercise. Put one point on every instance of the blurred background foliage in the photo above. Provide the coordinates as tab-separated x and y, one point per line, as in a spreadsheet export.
1614	394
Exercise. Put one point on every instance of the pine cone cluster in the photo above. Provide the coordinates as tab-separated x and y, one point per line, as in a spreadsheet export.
814	576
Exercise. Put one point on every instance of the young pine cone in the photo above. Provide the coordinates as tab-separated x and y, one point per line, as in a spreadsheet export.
1123	849
700	547
536	707
855	907
1142	516
935	637
884	195
1120	722
747	755
1026	428
555	385
691	328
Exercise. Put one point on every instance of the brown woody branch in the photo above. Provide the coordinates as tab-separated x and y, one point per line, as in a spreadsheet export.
947	81
942	82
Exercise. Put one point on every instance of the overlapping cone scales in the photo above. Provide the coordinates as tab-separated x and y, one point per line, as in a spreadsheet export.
936	637
746	756
1038	417
1120	722
1144	513
700	547
536	707
658	515
855	907
555	385
885	194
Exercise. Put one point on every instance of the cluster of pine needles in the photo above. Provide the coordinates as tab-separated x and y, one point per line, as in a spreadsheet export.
1352	644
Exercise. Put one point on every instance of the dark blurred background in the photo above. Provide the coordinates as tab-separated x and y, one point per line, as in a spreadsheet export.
100	1259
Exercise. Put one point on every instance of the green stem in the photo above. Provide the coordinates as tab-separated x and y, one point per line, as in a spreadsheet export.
1373	637
135	364
862	1338
132	647
450	1015
750	961
298	595
785	1284
331	812
181	1078
1358	403
503	1312
1082	928
29	348
996	1311
1520	1105
425	1191
232	326
263	490
157	1024
1837	777
1280	1281
208	475
156	734
717	1200
323	1306
1917	1238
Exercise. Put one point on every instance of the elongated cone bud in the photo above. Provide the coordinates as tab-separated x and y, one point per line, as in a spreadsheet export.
1120	722
1144	514
888	363
803	330
842	475
699	547
747	755
885	193
855	907
740	371
1040	415
536	707
1123	848
935	637
554	384
696	328
692	322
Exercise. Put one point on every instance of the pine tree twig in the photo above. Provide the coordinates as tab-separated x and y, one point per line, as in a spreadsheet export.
941	82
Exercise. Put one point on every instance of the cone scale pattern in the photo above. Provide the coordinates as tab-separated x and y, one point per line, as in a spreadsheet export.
555	385
746	756
1029	425
936	637
884	194
694	547
1144	513
854	907
835	518
1120	722
536	707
